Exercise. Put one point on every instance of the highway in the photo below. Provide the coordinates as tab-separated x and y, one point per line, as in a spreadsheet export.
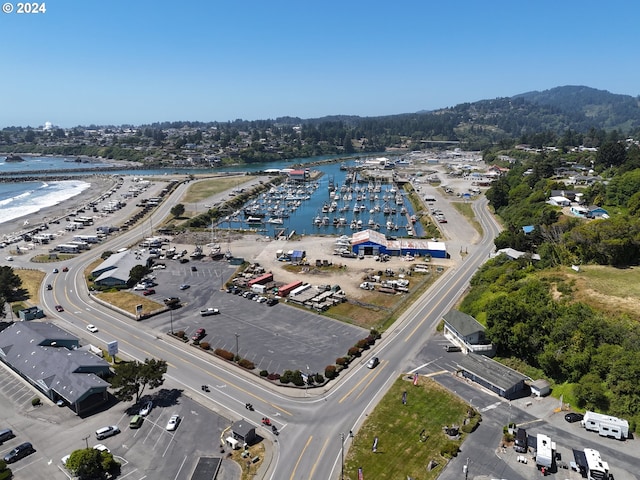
312	424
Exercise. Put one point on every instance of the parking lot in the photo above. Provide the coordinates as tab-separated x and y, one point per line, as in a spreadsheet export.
275	338
149	452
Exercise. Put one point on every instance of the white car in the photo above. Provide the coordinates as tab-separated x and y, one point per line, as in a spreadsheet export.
102	448
146	409
92	328
173	422
140	286
65	459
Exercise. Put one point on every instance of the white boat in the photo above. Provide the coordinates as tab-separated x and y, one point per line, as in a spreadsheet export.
276	220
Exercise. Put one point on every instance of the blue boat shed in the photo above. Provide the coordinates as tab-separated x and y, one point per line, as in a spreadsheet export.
372	242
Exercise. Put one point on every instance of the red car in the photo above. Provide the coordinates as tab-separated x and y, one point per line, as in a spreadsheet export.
59	308
65	269
148	291
200	333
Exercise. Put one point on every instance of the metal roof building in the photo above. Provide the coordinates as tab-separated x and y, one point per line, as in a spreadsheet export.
498	378
47	357
372	242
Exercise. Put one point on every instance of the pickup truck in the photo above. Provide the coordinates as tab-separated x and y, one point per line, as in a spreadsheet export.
209	311
171	301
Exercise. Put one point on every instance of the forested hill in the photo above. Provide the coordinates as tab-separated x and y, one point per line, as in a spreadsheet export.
576	108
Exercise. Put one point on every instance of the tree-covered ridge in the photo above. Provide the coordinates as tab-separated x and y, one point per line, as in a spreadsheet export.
598	355
566	116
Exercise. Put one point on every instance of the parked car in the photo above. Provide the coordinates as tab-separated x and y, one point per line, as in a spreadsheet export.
106	432
209	311
173	422
59	308
184	286
452	348
19	452
200	334
373	362
272	301
101	448
139	287
194	268
572	417
92	328
148	291
146	408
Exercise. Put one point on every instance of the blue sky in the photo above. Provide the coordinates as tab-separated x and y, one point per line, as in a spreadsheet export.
142	61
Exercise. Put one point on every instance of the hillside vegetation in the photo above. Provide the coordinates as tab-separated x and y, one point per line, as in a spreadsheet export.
572	315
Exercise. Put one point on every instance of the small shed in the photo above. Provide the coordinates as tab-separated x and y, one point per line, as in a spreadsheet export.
540	387
244	432
31	313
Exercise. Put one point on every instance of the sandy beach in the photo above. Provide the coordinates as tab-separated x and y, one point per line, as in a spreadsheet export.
99	185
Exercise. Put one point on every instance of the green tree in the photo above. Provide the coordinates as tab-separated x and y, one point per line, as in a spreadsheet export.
10	286
5	472
177	210
590	393
137	273
92	464
131	378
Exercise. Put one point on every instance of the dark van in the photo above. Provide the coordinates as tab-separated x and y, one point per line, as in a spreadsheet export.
5	435
521	441
452	348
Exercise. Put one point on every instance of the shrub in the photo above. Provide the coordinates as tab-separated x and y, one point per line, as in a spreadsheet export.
450	449
363	344
248	364
354	352
375	333
264	373
224	354
273	376
180	334
35	401
330	371
371	339
319	378
205	346
342	361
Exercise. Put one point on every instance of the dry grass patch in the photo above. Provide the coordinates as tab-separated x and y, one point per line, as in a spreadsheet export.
204	189
611	290
31	281
128	301
249	469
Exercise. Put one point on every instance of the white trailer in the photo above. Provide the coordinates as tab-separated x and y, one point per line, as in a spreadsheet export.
545	451
65	248
596	468
605	425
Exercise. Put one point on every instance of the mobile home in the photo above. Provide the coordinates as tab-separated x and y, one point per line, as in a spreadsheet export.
596	468
545	451
65	248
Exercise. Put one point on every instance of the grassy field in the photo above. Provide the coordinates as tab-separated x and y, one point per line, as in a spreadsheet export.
612	290
409	436
199	191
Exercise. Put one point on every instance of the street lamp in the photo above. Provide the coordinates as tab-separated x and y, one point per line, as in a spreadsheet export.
237	349
306	384
171	319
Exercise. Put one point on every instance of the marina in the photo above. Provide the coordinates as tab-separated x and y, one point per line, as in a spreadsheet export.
339	200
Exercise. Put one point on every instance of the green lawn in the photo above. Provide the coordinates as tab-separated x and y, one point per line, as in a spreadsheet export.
409	436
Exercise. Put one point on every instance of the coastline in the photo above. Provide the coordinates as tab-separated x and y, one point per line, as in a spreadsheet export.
99	185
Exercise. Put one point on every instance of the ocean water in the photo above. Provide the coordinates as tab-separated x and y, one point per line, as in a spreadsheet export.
28	198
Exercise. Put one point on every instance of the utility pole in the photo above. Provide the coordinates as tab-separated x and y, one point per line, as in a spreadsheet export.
341	456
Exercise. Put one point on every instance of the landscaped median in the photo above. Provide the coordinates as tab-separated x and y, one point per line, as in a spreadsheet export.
416	429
